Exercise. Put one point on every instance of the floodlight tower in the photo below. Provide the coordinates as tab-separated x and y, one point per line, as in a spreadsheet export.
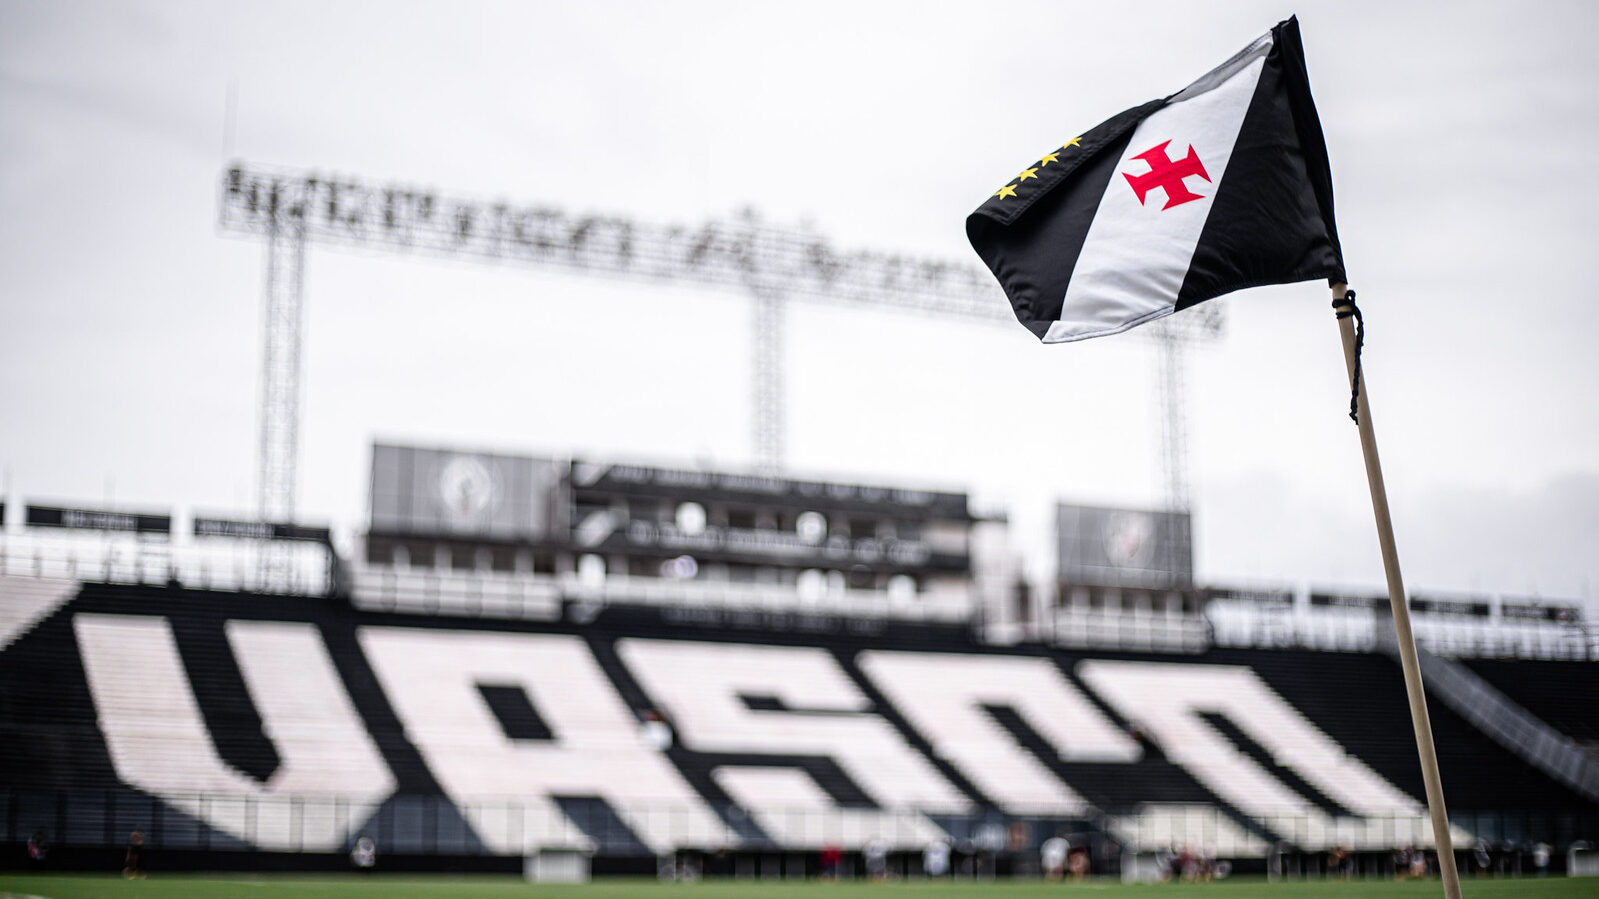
773	265
282	325
1170	382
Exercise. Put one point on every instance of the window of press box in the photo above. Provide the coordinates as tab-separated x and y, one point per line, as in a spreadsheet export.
861	578
863	528
580	511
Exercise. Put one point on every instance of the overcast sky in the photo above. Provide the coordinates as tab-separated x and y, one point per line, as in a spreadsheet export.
1461	135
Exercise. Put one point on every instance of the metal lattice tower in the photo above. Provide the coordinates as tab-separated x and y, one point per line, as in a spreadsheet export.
774	265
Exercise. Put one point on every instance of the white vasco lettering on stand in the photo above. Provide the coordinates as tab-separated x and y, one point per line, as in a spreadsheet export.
1167	699
504	786
701	687
943	695
159	743
790	808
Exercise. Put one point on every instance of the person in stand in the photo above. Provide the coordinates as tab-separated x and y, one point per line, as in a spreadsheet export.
133	860
1052	857
876	855
1018	850
1077	864
1340	862
832	857
1480	853
935	859
1419	866
1540	858
365	855
1166	863
38	847
657	732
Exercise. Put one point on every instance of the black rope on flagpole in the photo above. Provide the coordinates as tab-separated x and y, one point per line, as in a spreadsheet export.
1345	307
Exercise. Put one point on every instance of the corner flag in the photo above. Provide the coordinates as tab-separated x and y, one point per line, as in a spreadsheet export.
1221	186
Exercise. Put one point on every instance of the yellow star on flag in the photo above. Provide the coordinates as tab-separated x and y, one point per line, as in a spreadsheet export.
1048	158
1026	173
1008	190
1070	143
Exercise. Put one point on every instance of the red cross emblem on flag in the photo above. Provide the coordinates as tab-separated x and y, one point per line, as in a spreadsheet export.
1167	174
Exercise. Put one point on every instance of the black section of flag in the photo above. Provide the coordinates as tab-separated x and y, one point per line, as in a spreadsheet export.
1036	255
1072	157
1267	224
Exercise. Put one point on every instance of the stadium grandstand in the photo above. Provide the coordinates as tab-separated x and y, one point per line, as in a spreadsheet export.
565	667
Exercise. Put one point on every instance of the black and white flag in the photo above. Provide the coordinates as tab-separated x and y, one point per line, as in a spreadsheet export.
1221	186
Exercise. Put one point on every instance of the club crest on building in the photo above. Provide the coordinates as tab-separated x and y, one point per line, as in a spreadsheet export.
1167	174
467	489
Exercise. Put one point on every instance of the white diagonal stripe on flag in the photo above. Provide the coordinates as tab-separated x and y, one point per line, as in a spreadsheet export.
1136	254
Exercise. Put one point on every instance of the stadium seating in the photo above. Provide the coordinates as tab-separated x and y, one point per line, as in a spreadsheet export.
790	808
27	600
706	689
946	696
1564	696
286	723
1209	717
160	742
1170	700
1357	699
433	677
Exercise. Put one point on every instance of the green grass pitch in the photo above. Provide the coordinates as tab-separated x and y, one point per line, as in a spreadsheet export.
448	887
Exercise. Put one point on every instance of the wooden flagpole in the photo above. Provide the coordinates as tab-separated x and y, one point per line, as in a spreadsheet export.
1396	597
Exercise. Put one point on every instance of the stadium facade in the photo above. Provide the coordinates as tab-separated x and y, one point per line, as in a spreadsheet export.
539	661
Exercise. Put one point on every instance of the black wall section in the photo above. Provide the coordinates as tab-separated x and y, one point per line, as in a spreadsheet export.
1564	695
230	714
513	709
49	734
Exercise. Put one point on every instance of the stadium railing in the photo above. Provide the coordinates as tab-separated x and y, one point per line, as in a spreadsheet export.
1361	630
436	825
298	569
1130	630
539	596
